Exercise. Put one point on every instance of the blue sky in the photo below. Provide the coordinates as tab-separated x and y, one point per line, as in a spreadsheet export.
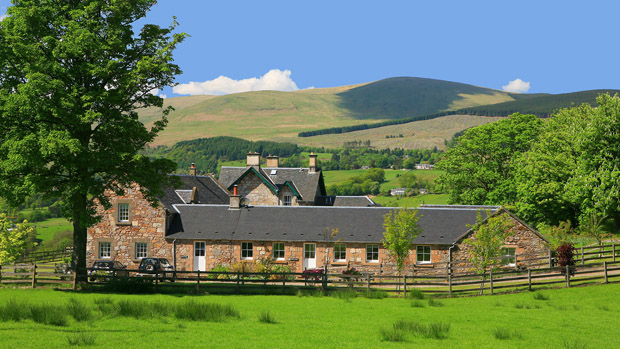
555	46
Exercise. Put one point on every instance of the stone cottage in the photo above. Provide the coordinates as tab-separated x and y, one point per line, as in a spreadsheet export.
284	215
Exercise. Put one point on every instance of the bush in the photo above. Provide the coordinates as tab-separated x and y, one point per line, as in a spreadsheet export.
129	285
566	257
220	269
266	317
82	339
78	310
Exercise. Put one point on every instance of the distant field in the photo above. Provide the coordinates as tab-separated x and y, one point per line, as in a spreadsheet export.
391	176
578	317
415	201
424	134
46	229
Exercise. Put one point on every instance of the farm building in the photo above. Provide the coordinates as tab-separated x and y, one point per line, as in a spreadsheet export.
282	214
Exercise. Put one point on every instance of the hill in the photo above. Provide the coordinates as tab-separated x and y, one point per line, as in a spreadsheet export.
269	114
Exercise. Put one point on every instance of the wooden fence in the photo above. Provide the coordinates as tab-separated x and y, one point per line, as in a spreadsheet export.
46	256
36	274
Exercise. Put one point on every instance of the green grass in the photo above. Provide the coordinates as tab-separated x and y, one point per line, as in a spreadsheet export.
480	322
46	229
414	201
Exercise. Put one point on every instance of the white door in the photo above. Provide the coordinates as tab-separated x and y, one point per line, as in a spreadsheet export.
200	261
309	256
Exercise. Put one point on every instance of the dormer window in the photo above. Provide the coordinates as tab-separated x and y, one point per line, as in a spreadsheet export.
287	200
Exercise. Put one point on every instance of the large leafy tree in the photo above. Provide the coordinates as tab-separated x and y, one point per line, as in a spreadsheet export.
14	240
480	168
401	228
72	75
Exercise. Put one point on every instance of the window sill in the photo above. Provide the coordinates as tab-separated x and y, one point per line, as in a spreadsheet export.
123	223
425	265
371	263
280	261
340	263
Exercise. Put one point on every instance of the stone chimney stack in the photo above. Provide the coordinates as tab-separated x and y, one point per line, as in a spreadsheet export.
235	200
253	160
192	169
194	197
312	163
273	161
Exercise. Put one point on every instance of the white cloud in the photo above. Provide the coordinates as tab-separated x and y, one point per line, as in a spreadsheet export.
275	79
3	16
517	85
155	92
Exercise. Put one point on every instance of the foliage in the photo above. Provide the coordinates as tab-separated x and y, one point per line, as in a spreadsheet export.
557	235
565	255
14	240
72	77
351	271
220	269
480	168
312	274
366	183
593	227
129	285
401	228
487	241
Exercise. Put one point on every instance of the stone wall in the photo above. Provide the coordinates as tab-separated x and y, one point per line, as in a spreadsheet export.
146	224
255	191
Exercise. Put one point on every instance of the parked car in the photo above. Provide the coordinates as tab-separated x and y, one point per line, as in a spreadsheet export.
65	269
107	268
156	266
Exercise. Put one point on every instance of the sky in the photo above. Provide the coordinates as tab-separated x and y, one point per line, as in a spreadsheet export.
521	46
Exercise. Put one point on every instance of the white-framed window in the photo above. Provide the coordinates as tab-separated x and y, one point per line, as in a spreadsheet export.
340	253
278	251
141	250
372	253
509	256
247	250
423	254
123	212
287	200
105	249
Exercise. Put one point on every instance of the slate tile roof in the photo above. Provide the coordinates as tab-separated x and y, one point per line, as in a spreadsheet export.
208	189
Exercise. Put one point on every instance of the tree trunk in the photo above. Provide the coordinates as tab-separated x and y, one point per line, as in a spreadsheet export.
79	236
482	283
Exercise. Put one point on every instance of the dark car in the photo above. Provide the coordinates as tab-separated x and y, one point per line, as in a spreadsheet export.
156	266
107	268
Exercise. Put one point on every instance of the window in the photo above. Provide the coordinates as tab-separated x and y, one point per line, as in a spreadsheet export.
278	251
509	256
123	212
247	250
372	253
287	200
105	249
423	255
141	250
340	253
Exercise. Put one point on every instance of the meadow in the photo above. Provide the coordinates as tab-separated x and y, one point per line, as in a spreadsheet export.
580	317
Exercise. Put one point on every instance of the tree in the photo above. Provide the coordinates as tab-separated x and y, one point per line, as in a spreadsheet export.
14	240
72	75
401	228
487	241
479	168
594	228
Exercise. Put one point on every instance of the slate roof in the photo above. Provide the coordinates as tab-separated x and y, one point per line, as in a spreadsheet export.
305	182
346	201
208	189
441	225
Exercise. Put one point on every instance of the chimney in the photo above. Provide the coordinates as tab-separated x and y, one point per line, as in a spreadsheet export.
192	169
272	161
235	200
194	198
312	163
253	160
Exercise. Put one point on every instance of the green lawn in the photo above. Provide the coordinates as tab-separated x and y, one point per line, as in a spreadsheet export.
47	228
569	318
415	201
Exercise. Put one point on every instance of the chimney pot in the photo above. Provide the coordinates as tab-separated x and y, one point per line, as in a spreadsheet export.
192	169
253	160
312	162
273	161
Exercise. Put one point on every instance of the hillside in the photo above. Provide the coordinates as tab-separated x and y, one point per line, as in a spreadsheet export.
269	114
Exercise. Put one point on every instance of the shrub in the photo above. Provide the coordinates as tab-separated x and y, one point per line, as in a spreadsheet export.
279	269
540	297
312	274
416	293
78	310
129	285
82	339
434	303
192	310
266	317
566	257
48	314
13	310
220	269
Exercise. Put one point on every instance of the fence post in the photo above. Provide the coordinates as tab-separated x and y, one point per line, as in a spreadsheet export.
198	282
405	286
613	247
237	290
529	279
567	276
283	282
491	277
156	280
605	268
550	259
34	273
450	285
368	282
75	279
582	261
325	279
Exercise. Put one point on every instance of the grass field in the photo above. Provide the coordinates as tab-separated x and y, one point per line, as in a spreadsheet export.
47	228
414	201
581	317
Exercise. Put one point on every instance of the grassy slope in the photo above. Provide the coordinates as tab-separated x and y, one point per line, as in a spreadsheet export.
586	315
267	114
47	228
